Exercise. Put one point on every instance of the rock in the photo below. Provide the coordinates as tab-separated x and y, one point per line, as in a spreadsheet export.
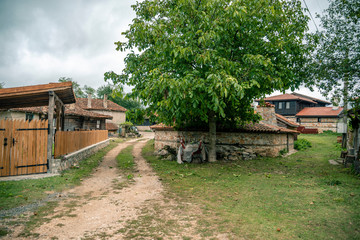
170	157
163	153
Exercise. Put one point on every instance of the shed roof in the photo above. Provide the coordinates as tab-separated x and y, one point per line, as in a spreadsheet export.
319	112
70	110
286	121
36	95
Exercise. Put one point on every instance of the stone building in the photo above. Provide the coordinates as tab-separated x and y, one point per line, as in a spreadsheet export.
322	118
104	107
258	139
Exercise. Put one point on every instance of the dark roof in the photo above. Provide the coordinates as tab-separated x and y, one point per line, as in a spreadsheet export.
36	95
312	98
286	121
70	110
319	112
253	127
287	96
98	104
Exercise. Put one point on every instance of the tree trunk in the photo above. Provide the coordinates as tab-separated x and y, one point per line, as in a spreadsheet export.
212	137
345	144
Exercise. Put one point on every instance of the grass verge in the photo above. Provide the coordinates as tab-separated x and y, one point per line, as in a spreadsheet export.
126	165
301	196
19	193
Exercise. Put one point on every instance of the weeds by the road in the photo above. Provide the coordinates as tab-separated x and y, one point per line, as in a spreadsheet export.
301	196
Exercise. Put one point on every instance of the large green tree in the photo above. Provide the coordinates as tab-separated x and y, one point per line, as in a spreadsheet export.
196	61
337	64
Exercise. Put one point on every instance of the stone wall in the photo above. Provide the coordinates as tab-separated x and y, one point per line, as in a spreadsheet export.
325	124
72	159
231	145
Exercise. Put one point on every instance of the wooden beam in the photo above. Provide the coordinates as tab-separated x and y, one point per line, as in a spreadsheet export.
51	125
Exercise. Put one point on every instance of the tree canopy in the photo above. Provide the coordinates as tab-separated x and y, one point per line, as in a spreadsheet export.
199	58
338	54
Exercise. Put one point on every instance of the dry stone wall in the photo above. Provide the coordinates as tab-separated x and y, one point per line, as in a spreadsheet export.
231	145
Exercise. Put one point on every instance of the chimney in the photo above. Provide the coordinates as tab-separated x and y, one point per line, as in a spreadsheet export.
89	101
105	101
267	113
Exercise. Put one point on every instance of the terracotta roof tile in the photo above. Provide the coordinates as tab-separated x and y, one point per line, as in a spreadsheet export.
98	104
319	112
254	127
286	121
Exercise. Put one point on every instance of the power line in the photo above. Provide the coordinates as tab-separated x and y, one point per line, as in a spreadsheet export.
310	15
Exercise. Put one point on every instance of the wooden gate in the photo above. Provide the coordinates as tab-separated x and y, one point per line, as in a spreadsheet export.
23	147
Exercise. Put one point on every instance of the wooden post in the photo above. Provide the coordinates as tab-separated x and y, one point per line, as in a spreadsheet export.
58	112
51	125
63	118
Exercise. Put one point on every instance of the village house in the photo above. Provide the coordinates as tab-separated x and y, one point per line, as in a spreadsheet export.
104	107
322	118
289	104
76	118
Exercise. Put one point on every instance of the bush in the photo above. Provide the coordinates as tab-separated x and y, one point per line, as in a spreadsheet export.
302	144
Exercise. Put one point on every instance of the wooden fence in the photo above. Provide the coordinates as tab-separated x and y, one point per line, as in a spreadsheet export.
23	147
68	142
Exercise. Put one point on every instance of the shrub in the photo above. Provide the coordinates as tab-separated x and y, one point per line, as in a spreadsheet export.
302	144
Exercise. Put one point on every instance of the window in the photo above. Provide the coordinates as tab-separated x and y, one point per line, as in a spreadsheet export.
319	119
298	120
98	124
280	105
29	116
287	105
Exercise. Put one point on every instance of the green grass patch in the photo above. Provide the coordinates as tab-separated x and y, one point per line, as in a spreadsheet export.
126	165
18	193
301	196
302	144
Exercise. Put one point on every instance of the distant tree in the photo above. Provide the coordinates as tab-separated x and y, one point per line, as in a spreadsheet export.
203	62
2	85
136	116
76	87
89	90
337	70
104	90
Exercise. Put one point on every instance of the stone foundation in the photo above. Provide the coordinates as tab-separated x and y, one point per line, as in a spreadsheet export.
231	145
72	159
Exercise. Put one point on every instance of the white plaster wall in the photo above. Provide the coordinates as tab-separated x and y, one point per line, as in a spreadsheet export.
118	117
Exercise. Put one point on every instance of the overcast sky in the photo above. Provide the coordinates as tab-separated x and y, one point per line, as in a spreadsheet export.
43	40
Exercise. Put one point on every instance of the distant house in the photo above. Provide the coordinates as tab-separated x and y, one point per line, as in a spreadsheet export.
76	118
289	104
104	107
322	118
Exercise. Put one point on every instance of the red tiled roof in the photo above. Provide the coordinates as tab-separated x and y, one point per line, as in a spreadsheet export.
253	127
98	104
286	121
319	112
112	126
70	110
288	96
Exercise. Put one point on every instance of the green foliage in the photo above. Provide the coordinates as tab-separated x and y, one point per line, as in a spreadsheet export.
79	93
2	85
89	90
302	144
337	58
136	116
196	58
126	124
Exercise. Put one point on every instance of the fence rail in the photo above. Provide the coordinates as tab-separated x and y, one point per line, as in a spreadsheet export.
68	142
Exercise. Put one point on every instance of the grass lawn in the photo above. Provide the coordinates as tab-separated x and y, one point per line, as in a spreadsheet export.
300	196
18	193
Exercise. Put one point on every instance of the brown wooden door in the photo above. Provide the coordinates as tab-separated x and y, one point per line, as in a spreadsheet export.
23	147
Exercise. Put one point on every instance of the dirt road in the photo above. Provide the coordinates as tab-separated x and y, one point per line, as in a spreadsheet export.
98	209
